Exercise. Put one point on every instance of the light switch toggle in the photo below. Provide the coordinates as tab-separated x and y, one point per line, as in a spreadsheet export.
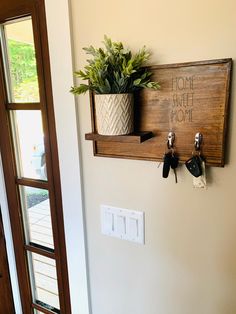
123	223
133	227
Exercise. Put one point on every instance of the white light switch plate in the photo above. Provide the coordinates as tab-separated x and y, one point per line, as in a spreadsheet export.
123	223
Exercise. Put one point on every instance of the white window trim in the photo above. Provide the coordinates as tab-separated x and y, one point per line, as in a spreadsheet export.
60	50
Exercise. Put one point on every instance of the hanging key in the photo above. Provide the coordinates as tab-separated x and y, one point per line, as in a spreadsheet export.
170	160
166	164
174	164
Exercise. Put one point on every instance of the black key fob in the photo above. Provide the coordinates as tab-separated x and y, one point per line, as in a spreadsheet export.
174	161
194	166
166	165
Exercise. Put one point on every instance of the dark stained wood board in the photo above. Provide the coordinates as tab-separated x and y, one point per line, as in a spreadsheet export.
137	137
193	98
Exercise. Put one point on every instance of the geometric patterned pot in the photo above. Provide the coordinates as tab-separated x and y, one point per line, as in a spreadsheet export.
114	114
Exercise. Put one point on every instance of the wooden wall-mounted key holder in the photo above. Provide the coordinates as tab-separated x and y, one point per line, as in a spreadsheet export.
193	98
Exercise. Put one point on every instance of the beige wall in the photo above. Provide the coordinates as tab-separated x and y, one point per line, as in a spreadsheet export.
188	264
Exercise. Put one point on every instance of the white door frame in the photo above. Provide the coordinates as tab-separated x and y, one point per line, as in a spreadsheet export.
60	51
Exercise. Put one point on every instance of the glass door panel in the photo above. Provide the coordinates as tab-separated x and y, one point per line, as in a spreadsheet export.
21	69
44	281
29	144
37	217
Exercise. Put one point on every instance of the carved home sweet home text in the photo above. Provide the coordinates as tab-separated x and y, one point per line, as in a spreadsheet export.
182	101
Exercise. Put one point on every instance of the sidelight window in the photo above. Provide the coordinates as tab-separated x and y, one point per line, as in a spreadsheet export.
38	213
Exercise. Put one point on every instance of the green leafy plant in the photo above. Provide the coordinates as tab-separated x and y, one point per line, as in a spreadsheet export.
114	70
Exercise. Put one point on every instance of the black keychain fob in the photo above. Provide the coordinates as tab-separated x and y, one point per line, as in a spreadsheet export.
166	165
194	166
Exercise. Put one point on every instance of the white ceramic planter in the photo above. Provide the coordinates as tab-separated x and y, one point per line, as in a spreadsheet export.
114	114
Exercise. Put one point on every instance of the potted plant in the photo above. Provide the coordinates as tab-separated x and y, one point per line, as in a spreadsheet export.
114	74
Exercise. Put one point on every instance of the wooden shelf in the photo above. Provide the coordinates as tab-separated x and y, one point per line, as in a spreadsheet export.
194	97
136	138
